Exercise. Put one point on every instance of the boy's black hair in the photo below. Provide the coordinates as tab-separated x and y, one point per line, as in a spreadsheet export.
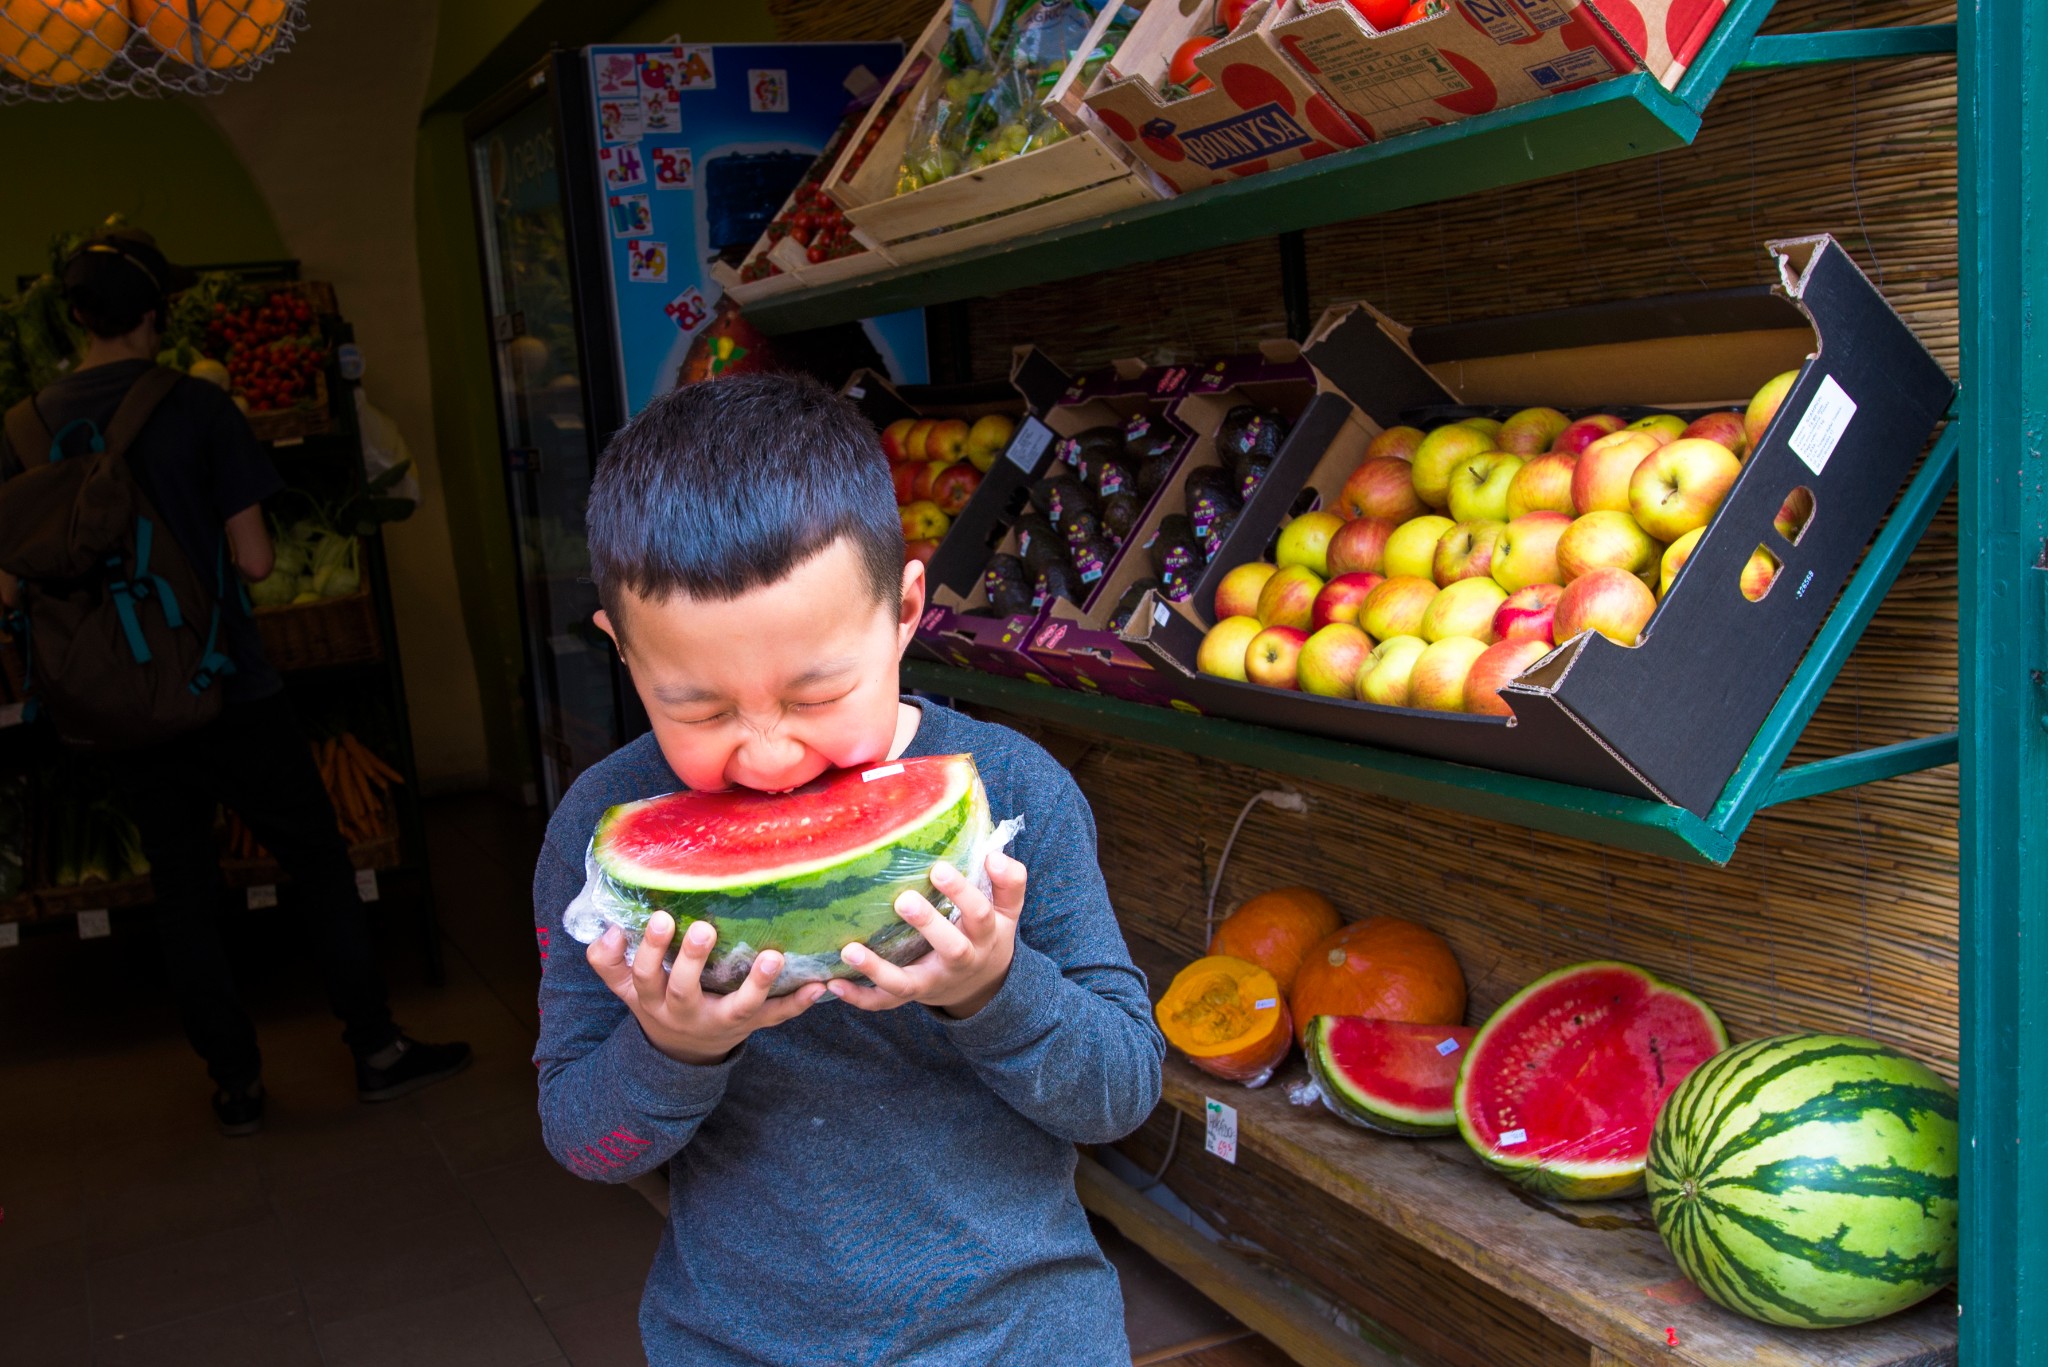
115	280
725	486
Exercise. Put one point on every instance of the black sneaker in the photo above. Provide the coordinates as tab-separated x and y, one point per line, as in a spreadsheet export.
417	1065
239	1113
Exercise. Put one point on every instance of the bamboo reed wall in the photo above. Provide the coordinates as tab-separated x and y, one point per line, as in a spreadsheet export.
1837	912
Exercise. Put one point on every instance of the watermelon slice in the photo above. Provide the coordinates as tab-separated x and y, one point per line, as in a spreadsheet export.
1389	1076
1561	1087
805	872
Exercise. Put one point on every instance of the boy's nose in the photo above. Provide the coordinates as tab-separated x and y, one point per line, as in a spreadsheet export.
771	761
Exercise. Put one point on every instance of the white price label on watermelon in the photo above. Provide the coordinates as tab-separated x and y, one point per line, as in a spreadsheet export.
886	771
1510	1138
94	925
1221	1135
366	885
262	896
10	934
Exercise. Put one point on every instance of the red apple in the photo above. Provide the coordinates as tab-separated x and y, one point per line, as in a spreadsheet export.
1725	428
1543	484
1605	540
1793	514
1531	431
923	521
1526	552
1439	454
1306	541
1479	486
1360	545
947	440
1585	432
914	440
1330	661
921	481
1675	556
1224	649
1526	613
1662	427
1238	594
1399	443
1396	607
1678	487
1411	550
892	439
1380	487
1437	683
1343	598
1758	574
1384	678
1289	597
953	486
988	439
1466	608
1600	480
920	551
1610	601
903	474
1501	662
1762	408
1466	552
1274	656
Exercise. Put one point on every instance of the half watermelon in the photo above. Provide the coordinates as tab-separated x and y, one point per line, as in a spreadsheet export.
1388	1076
806	872
1562	1085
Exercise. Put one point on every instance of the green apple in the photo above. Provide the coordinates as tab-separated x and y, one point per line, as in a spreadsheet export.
1466	551
1411	550
1437	683
1663	426
1479	486
1606	539
1544	483
1384	679
1395	607
1527	551
1223	649
1306	541
1531	431
1330	661
1466	608
1675	556
1679	487
1438	455
1762	408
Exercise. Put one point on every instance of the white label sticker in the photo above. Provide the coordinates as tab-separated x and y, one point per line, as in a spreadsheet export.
1510	1138
1447	1047
10	715
886	771
262	895
1221	1136
1265	1003
1160	614
10	934
1827	417
1028	445
366	885
94	925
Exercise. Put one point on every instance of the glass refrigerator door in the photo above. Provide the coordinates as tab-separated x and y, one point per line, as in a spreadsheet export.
549	451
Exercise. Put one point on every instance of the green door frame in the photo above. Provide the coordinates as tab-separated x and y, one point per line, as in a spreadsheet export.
2002	99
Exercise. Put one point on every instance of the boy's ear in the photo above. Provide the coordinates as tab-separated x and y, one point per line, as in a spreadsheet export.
604	624
911	609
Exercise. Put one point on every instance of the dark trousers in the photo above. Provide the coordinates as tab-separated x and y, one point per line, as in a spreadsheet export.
254	760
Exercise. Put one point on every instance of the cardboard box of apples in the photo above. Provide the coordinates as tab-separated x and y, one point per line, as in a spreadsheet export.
1601	551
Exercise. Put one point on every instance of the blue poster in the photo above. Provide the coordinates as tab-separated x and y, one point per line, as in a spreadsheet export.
698	146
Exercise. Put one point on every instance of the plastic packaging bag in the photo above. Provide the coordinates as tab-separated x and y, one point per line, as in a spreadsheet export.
384	449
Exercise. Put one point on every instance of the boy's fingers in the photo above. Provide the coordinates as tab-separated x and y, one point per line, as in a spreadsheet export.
776	1010
1007	878
746	999
685	983
607	958
948	941
865	998
975	912
649	980
889	980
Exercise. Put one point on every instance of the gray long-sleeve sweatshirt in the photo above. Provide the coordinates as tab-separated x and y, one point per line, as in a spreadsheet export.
855	1187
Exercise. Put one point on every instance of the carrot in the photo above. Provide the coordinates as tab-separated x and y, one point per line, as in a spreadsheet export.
369	760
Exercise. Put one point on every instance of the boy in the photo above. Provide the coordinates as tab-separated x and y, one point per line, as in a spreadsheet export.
858	1173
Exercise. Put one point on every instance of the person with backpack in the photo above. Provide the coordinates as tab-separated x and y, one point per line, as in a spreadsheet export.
130	515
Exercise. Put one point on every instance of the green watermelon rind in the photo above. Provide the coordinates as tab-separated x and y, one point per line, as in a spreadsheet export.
1733	1107
1546	1175
1347	1103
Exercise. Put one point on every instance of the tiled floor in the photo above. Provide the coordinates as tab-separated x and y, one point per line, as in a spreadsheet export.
429	1232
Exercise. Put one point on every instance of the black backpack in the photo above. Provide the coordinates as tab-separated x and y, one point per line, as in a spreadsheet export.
122	632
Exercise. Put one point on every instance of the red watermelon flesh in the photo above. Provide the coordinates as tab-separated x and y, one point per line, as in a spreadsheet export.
1389	1076
1562	1085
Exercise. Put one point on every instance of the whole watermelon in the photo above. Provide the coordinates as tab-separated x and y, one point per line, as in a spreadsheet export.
1809	1180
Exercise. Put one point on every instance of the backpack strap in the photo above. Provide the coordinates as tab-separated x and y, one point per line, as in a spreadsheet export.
136	407
214	665
141	400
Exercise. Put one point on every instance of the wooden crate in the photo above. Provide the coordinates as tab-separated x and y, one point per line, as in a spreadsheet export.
315	635
312	418
1086	174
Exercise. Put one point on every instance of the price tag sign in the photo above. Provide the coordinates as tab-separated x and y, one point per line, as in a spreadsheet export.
10	934
94	925
1220	1137
262	895
366	884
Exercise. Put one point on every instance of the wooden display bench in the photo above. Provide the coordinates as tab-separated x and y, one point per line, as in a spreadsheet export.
1455	1263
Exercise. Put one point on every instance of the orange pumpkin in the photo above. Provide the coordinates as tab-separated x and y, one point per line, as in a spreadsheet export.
1384	969
1275	929
60	42
1229	1017
220	34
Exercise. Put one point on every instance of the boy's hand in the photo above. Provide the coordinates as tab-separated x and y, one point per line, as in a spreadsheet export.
969	960
677	1015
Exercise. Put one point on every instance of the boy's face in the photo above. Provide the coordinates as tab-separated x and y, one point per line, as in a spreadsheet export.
770	689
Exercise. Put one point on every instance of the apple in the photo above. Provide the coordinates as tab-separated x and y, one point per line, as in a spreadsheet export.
1274	656
1758	574
1600	479
915	438
1438	455
920	551
1384	677
1360	546
1343	598
923	520
1411	550
1757	420
1525	614
1531	431
1238	593
1662	427
1466	608
1289	597
1496	665
1306	541
1479	486
1612	602
947	440
1793	514
1224	649
1437	683
1490	426
1675	556
1526	552
1330	661
892	439
1585	432
1396	607
1544	483
1725	428
988	439
903	474
1380	487
1678	487
1396	443
1602	540
953	486
1466	551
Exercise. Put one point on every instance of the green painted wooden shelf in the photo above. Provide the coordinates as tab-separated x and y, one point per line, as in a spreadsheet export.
1611	122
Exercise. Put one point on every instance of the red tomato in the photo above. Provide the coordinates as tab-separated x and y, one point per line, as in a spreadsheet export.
1421	9
1383	14
1228	12
1181	70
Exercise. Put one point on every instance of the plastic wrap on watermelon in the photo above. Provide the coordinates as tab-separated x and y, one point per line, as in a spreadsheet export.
806	872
